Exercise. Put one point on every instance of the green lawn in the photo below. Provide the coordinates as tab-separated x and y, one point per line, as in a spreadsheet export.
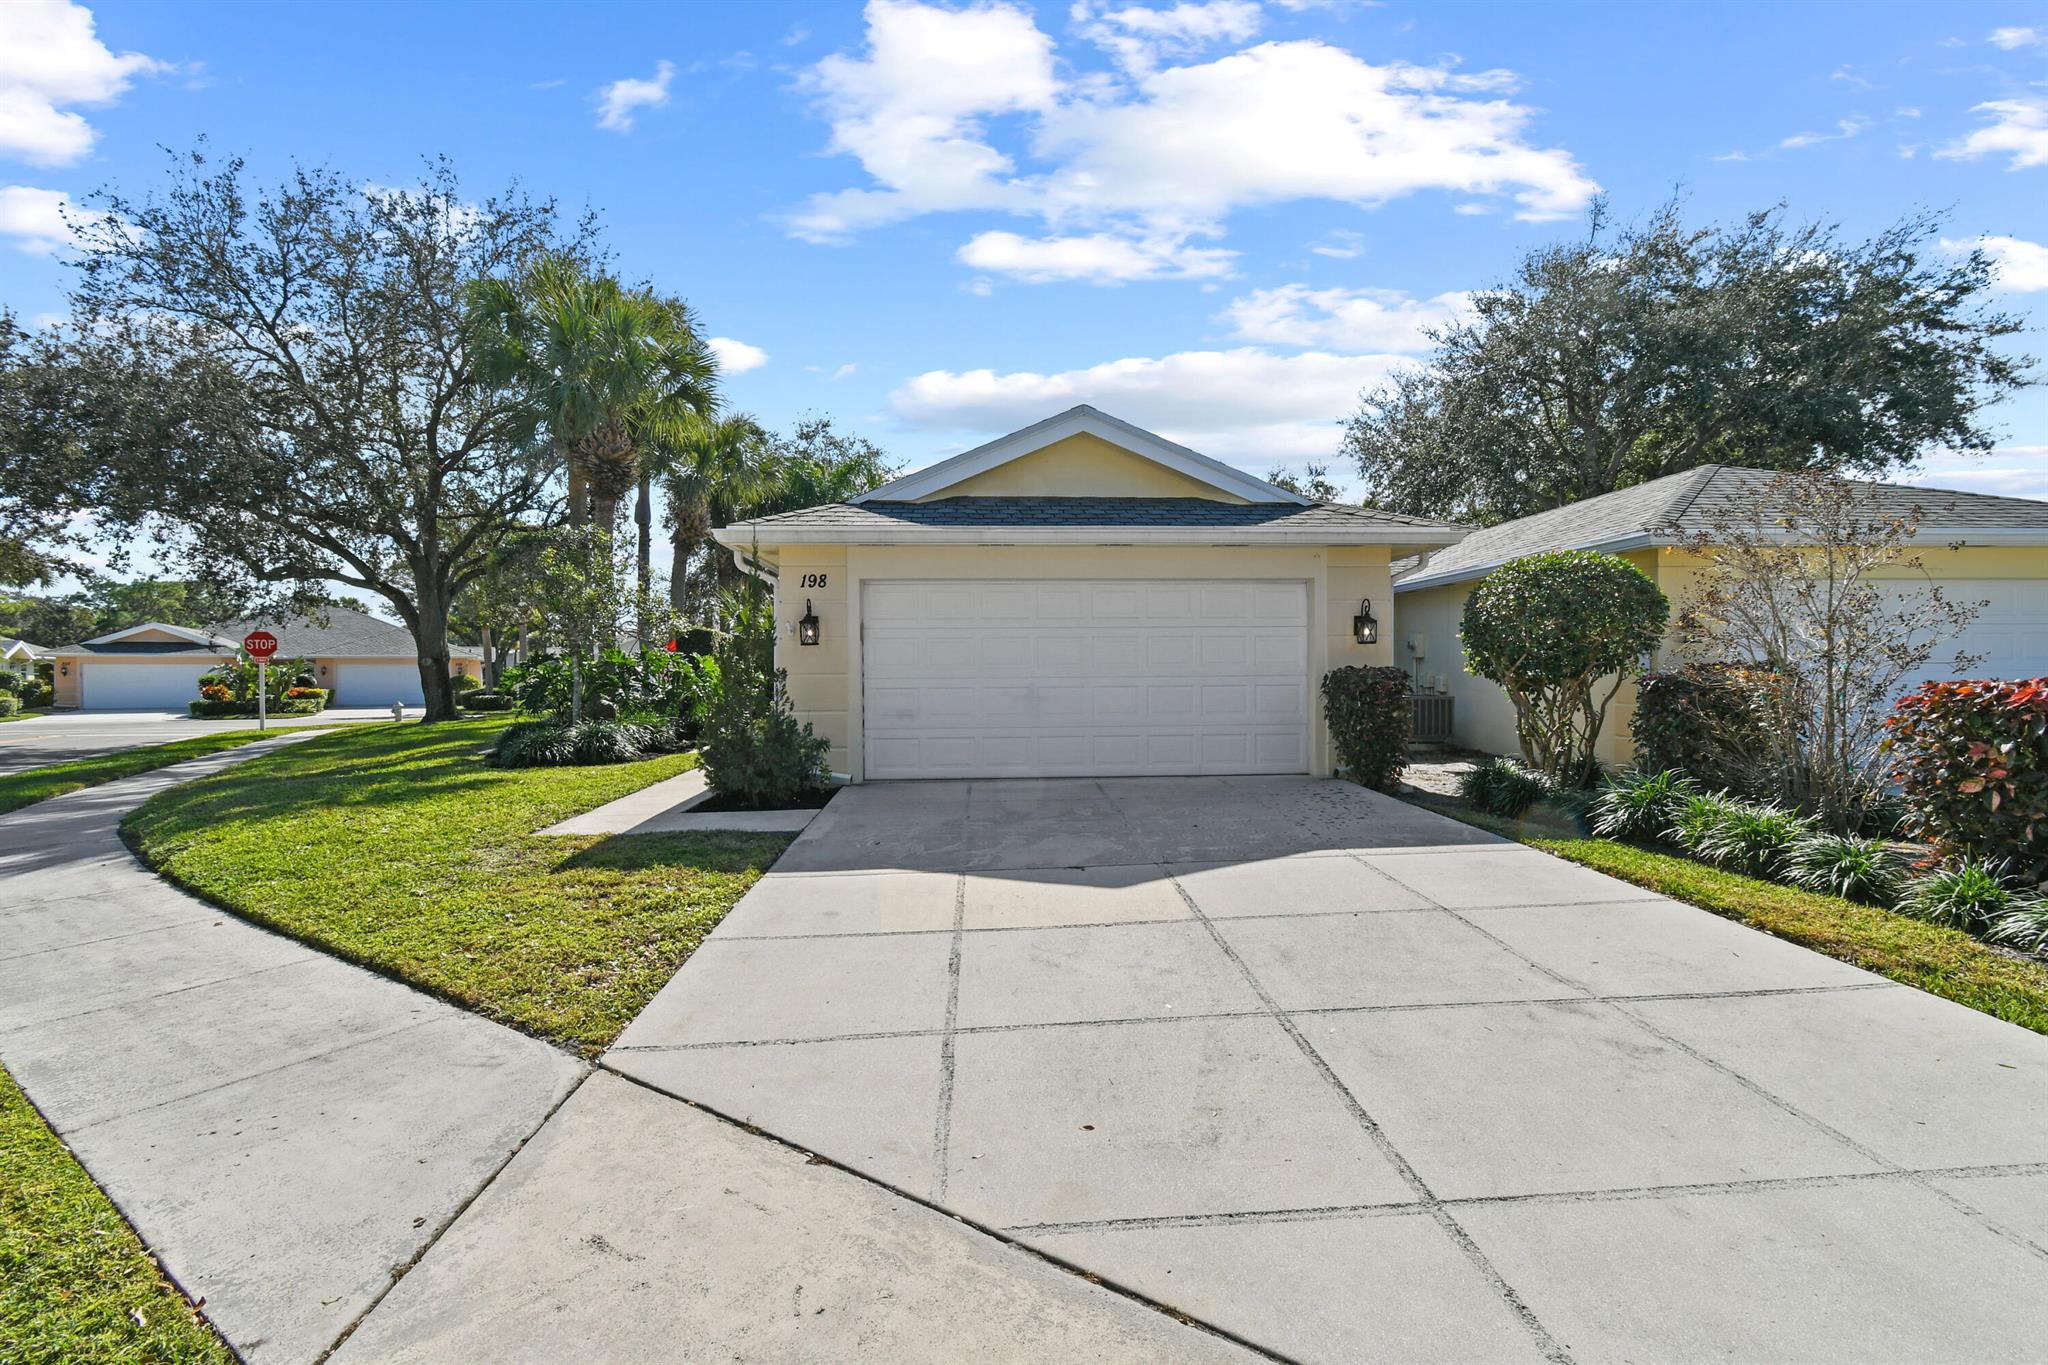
394	846
38	784
26	715
1944	962
75	1284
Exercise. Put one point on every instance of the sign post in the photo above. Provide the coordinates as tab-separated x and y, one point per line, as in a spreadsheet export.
261	644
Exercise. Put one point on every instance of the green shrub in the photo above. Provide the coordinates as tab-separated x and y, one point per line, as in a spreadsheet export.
484	701
10	682
9	704
754	748
1503	787
1847	866
1559	632
1695	818
1633	804
463	682
2023	925
201	708
37	693
1755	840
1369	713
1972	761
1970	895
552	744
1707	721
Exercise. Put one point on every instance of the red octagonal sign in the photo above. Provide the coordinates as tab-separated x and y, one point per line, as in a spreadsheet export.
261	644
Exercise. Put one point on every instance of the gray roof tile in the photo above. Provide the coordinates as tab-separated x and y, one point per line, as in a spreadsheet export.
1106	514
1669	508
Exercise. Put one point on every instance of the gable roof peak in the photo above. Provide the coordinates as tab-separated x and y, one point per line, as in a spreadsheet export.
1079	419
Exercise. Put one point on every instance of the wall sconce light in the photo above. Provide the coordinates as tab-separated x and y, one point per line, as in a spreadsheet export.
64	669
807	628
1365	626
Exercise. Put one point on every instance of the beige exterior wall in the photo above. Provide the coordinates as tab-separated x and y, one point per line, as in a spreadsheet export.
825	683
1082	466
1484	718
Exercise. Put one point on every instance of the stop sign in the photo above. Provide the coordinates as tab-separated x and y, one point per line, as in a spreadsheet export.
261	644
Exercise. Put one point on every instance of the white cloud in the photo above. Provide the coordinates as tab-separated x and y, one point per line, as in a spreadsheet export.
1138	38
967	110
1340	244
50	57
1343	319
736	357
2013	471
1097	258
2016	126
2022	266
33	219
1844	129
1248	404
617	101
2013	38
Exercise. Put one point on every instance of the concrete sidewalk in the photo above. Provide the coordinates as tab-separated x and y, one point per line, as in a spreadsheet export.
284	1130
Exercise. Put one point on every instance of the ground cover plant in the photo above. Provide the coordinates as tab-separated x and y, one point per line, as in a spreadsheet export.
75	1282
398	847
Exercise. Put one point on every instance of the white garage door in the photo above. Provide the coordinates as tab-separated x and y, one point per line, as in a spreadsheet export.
1085	678
139	687
2010	632
378	685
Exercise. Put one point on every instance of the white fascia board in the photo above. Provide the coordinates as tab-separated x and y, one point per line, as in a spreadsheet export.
1419	537
197	637
102	656
1074	422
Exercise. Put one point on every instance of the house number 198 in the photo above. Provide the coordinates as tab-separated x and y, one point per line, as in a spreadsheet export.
813	580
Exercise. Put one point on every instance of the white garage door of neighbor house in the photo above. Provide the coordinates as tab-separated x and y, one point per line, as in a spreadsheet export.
378	685
2010	634
139	687
1046	678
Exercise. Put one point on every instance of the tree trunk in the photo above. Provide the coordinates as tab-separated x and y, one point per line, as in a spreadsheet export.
681	547
575	688
579	494
604	510
643	553
430	632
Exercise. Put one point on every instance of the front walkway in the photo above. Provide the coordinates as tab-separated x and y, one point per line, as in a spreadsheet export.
1349	1081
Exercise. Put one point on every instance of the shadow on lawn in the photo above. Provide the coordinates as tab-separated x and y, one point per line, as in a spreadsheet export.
703	851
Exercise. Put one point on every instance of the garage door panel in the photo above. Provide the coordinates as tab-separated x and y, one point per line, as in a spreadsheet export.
139	687
378	685
1108	678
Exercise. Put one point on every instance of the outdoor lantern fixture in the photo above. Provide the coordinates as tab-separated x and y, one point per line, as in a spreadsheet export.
1365	625
64	670
807	628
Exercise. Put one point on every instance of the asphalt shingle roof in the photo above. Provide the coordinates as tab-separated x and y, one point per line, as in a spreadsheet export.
347	634
1106	514
1677	505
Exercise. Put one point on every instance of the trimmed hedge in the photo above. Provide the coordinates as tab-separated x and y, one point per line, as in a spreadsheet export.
9	703
1705	721
1369	710
1972	760
483	701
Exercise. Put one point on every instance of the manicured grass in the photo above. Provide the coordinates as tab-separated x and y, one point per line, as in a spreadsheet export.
1943	962
39	784
26	715
396	847
75	1283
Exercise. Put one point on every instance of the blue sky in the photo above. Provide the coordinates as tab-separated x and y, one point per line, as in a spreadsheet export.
937	223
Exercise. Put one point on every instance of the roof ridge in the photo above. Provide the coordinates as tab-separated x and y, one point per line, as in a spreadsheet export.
1699	486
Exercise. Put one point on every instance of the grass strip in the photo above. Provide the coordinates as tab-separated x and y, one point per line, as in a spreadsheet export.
40	784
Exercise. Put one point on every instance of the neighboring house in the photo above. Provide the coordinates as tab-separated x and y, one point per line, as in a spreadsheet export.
1080	598
1976	547
361	660
19	657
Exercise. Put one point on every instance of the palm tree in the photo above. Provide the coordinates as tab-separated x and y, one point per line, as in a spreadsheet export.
713	471
612	372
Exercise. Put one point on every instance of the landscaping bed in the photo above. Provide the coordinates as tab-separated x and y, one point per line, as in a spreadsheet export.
399	848
1944	962
75	1281
39	784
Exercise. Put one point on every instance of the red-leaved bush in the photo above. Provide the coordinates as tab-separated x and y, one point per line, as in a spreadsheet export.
1972	759
1370	716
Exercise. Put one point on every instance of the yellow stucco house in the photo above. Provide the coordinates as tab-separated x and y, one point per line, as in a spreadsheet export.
1079	598
360	660
1977	547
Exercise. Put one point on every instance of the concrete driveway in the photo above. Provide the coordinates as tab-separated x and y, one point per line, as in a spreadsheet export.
37	741
1348	1081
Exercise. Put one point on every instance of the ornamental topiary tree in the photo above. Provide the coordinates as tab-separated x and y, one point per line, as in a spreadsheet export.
1972	760
1560	633
1369	711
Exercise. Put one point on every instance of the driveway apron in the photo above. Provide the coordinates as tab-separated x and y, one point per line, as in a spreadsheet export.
1349	1081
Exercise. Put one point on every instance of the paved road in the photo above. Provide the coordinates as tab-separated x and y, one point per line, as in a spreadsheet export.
37	741
1349	1081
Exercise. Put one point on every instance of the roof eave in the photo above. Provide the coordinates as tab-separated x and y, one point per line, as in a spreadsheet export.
743	537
